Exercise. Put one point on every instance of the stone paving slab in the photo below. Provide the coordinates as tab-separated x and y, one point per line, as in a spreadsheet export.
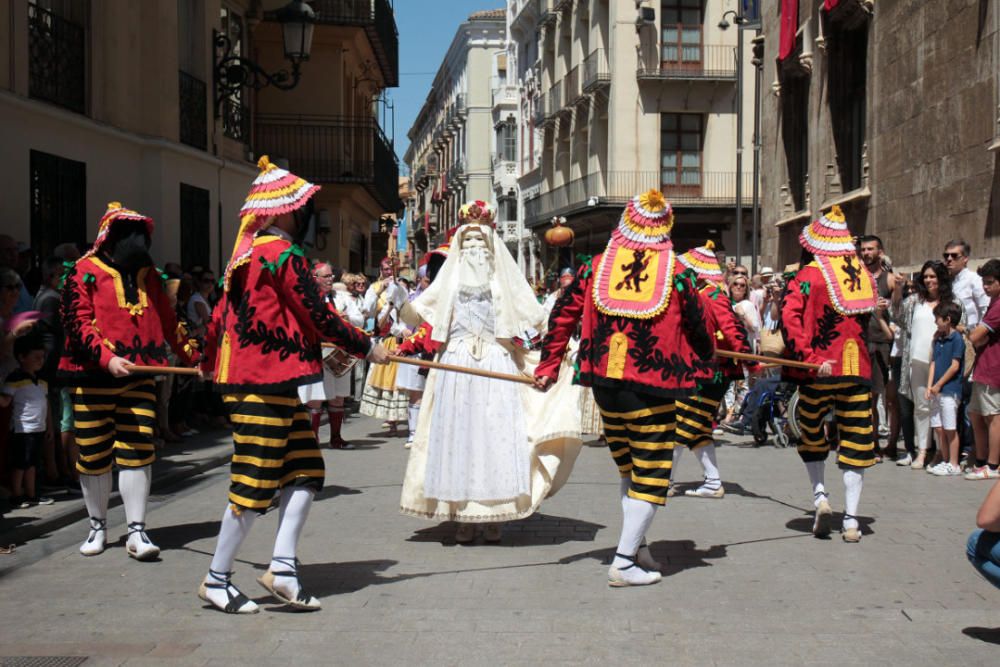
745	582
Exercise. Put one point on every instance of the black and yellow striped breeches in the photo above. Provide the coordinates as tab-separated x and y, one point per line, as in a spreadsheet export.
851	405
640	433
696	415
114	423
274	447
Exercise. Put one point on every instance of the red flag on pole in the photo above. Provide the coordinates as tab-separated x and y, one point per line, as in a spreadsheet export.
789	26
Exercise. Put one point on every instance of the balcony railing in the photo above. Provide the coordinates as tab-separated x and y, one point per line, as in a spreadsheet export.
596	74
457	171
545	11
460	107
334	149
708	189
504	94
56	59
553	102
538	111
379	23
193	102
707	62
236	120
571	87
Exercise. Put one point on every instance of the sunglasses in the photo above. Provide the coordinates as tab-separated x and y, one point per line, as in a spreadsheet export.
740	273
952	255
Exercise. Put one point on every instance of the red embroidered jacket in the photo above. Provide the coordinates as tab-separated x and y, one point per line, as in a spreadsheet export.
727	327
270	326
104	316
664	355
815	332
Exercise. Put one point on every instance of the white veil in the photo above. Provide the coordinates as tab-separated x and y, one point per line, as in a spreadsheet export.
517	309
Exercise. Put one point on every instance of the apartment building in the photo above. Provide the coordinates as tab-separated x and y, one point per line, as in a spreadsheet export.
114	100
620	97
451	152
889	110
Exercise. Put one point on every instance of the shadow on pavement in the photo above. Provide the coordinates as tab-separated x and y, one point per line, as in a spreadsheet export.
332	491
325	579
180	535
674	555
988	635
805	524
534	530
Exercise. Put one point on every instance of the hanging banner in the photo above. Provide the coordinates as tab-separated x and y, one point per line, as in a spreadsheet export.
750	11
789	26
402	243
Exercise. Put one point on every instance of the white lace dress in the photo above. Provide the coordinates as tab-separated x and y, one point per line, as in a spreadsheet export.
477	447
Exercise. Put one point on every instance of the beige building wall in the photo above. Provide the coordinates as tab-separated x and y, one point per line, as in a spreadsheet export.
930	161
605	145
129	136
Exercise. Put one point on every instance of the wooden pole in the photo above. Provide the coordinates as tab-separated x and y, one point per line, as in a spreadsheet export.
164	370
523	379
742	356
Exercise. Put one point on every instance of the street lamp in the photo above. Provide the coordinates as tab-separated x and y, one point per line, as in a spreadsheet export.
233	71
739	20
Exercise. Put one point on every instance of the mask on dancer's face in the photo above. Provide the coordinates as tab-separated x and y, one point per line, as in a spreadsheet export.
129	243
475	259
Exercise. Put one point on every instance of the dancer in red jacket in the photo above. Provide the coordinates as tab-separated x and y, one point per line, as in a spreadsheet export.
643	345
266	359
824	320
116	315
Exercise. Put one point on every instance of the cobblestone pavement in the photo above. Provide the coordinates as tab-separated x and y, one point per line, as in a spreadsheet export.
745	582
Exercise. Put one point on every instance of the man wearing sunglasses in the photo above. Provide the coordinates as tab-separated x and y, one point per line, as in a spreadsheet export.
967	286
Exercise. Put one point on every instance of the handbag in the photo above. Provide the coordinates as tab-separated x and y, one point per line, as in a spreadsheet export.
772	344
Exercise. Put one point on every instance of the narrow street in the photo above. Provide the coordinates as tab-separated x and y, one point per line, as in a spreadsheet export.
745	582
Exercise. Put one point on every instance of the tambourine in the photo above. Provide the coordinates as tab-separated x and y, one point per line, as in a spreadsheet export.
338	361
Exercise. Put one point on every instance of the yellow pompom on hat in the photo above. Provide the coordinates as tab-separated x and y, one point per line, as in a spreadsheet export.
828	235
702	261
646	222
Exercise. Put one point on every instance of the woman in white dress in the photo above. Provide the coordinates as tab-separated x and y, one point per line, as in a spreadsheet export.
486	450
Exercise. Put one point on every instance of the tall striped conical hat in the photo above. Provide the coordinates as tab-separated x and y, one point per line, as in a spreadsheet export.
116	213
275	191
702	260
828	235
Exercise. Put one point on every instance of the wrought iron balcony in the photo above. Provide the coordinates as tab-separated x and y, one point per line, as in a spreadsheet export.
615	188
538	111
193	103
545	11
697	62
379	23
457	171
56	59
596	74
553	102
572	92
333	149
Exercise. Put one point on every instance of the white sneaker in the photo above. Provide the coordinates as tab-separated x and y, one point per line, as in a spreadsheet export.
138	545
946	470
984	472
631	575
938	469
97	539
904	460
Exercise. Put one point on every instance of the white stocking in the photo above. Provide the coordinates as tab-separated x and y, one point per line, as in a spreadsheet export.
623	490
816	470
676	458
413	414
853	481
96	493
134	484
706	457
638	516
235	528
293	512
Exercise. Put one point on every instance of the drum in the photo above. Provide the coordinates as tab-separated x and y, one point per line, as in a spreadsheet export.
338	361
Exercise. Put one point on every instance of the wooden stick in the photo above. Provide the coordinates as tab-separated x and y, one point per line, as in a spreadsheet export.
523	379
742	356
164	370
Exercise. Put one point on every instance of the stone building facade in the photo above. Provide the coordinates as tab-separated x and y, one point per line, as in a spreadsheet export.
890	110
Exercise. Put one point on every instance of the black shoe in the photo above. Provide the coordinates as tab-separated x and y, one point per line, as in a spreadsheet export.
19	502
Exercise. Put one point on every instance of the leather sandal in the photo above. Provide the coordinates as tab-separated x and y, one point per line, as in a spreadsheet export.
303	601
238	603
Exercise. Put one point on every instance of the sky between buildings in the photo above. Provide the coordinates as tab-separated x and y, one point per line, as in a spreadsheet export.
426	28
